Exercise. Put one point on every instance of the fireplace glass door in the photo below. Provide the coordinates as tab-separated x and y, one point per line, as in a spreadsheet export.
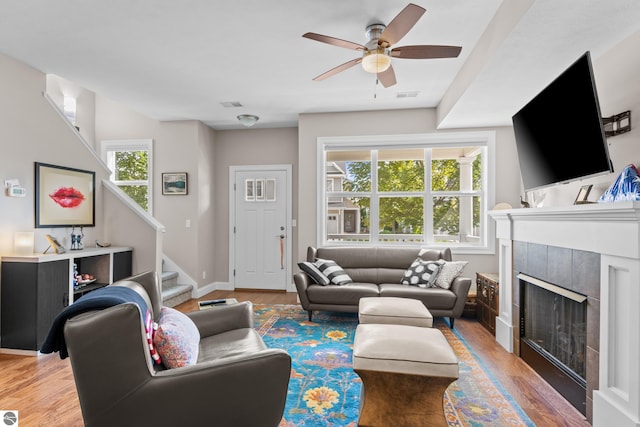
556	326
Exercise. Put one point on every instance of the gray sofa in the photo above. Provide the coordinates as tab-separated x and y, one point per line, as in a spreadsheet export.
377	272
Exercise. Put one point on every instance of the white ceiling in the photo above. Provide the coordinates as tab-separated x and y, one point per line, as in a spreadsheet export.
179	60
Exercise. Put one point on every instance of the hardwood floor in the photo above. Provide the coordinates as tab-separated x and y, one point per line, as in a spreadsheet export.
42	388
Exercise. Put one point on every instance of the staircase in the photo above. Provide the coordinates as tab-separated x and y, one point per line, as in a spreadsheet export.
173	293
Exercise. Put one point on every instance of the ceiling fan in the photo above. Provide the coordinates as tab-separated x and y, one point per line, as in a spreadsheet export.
378	51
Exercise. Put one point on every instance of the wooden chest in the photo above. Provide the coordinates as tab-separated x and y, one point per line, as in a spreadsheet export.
471	305
487	300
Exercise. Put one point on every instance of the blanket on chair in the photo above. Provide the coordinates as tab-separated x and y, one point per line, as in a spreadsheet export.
97	300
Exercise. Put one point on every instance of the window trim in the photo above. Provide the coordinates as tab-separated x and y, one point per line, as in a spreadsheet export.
131	145
435	139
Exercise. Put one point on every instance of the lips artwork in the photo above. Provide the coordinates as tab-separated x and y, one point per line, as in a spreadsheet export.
67	197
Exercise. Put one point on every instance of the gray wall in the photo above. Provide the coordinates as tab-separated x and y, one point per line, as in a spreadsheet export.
178	146
249	147
30	130
312	126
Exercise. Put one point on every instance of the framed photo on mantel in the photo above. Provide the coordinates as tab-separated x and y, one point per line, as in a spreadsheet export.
583	194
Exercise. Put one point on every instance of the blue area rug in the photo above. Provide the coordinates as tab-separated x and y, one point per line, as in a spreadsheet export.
324	391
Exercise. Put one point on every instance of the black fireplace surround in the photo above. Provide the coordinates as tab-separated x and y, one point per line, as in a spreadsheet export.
565	351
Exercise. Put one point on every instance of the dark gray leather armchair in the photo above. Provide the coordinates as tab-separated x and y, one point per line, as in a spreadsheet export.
236	382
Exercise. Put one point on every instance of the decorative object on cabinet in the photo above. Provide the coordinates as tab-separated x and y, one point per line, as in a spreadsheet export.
64	196
37	287
487	299
55	244
23	242
76	239
174	183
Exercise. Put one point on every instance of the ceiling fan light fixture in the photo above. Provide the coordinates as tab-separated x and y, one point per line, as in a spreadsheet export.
248	120
376	60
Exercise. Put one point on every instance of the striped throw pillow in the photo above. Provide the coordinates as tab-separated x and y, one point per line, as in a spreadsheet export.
315	273
333	271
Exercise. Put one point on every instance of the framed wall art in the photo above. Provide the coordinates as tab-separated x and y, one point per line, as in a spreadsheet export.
174	183
64	196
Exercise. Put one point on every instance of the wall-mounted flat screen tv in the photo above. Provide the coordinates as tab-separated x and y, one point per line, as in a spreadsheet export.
559	133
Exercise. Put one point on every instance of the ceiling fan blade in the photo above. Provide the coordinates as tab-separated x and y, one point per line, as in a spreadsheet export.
426	51
402	23
387	77
333	41
338	69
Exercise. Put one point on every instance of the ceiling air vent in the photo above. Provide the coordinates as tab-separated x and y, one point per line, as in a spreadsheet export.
407	94
231	104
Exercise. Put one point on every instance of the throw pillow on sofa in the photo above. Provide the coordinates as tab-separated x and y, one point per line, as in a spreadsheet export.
333	271
177	339
314	272
449	271
421	273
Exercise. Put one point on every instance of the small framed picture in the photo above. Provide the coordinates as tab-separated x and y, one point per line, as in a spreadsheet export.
583	194
174	184
55	244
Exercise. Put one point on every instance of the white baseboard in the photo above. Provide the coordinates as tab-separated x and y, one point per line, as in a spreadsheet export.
225	286
215	286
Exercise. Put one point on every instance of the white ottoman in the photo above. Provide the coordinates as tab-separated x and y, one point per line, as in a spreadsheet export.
394	311
405	371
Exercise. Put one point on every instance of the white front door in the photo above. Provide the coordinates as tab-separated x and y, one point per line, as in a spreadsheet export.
260	227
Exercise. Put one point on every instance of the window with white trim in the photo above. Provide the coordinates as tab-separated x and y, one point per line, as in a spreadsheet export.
130	162
423	190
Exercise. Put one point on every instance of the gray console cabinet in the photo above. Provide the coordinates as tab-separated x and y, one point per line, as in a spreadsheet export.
34	289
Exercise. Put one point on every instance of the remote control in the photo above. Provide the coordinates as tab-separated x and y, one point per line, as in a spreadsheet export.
212	302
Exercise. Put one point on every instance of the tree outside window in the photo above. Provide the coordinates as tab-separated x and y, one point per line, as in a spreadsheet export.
401	202
130	163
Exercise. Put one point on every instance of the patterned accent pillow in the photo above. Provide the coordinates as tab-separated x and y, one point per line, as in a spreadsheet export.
333	271
449	271
313	272
177	339
421	273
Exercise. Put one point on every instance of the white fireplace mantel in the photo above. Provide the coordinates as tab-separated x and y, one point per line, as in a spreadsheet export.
612	230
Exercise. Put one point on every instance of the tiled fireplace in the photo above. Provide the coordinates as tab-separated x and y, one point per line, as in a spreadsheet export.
556	299
592	252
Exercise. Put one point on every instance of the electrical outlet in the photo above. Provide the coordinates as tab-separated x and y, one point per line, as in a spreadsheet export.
187	223
204	274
